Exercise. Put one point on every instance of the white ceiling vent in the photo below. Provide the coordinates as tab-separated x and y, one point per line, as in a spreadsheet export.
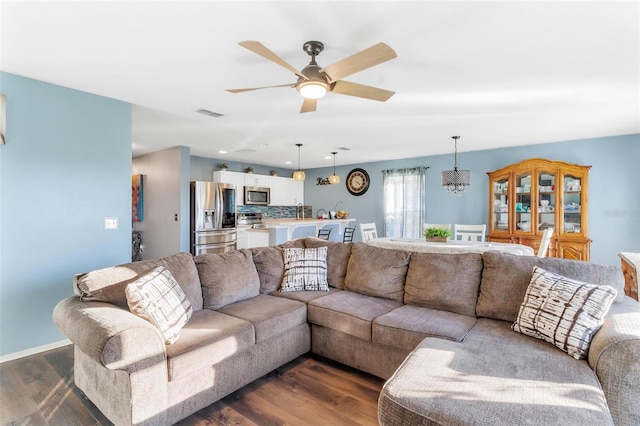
343	148
209	113
246	150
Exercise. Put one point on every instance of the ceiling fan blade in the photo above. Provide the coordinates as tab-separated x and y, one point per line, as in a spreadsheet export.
258	88
308	105
367	58
360	90
262	50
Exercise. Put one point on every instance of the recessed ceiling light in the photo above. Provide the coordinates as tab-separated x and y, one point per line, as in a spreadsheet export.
327	157
287	162
222	151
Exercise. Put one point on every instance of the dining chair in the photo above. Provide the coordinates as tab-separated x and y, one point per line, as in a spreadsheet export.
470	232
543	249
368	231
324	233
348	234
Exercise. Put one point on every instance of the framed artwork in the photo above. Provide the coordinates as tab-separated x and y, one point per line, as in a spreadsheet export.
137	200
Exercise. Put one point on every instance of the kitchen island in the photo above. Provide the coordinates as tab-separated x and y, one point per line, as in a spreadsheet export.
282	230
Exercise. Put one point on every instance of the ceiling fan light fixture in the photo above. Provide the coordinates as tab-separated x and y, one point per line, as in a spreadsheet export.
312	89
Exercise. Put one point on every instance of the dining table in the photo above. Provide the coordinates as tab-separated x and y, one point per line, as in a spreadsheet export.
451	246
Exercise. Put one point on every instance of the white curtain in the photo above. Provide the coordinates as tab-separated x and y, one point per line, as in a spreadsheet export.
403	202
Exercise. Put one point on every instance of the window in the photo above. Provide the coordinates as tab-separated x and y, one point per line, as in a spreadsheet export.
403	202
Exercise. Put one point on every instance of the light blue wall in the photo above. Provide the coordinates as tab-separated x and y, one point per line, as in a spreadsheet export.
66	166
614	188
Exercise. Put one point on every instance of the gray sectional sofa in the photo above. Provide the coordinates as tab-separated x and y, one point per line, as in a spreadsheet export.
437	326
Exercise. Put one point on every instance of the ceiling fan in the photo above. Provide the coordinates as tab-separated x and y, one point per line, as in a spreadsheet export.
314	81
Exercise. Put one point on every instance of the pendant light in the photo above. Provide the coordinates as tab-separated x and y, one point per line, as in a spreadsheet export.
456	181
334	178
298	175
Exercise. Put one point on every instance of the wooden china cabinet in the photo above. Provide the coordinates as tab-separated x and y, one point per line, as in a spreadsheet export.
528	197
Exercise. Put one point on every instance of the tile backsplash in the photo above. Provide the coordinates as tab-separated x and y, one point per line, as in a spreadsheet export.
275	212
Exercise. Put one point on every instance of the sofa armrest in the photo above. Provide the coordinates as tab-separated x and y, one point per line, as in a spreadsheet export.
614	355
112	336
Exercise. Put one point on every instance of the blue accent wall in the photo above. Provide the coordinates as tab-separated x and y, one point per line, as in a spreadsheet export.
614	188
66	166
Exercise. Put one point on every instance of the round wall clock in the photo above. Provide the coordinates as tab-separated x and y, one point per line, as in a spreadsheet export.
357	181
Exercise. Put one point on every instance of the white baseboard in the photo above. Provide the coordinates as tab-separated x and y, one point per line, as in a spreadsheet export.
33	351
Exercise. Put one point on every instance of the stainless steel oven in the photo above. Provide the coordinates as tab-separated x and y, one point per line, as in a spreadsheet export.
257	196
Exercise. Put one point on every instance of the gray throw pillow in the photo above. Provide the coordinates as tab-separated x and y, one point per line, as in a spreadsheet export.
108	284
227	277
505	279
449	282
270	266
376	271
564	312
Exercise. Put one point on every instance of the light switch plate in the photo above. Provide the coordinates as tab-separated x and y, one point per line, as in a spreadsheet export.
110	223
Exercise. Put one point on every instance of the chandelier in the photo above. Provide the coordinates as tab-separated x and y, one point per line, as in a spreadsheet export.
456	181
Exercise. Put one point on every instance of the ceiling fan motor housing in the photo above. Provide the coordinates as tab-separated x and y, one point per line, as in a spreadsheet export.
313	48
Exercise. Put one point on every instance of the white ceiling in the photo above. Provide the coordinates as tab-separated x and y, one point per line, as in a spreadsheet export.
495	73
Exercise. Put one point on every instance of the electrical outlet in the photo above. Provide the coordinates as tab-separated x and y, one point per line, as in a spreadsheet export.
110	223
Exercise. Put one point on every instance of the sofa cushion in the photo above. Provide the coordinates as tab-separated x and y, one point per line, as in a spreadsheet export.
304	296
377	272
495	377
297	243
227	277
270	266
564	312
406	326
208	338
108	284
305	269
338	255
449	282
505	279
349	312
157	298
269	315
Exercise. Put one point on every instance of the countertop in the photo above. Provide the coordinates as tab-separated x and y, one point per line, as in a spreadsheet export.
292	223
305	221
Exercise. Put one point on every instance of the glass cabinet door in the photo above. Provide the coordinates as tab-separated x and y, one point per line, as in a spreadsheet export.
546	200
523	222
500	209
572	204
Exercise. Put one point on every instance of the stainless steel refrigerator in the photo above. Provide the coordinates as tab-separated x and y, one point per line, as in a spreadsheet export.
213	217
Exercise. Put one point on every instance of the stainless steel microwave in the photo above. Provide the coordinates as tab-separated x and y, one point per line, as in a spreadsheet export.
257	196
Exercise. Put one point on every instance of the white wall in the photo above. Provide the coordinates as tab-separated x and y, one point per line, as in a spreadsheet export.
163	192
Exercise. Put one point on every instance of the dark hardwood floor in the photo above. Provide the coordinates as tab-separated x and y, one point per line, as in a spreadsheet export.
39	390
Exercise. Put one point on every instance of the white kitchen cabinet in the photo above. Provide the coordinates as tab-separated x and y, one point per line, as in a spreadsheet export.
286	191
257	238
242	239
234	178
256	180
